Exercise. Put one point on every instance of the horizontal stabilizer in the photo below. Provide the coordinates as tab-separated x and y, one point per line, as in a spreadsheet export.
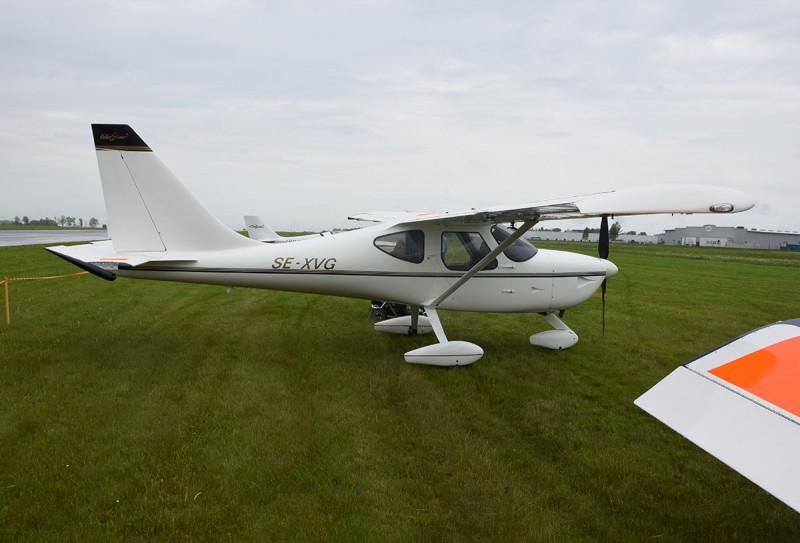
94	269
741	404
101	259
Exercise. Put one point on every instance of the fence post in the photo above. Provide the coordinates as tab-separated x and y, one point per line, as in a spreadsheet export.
8	312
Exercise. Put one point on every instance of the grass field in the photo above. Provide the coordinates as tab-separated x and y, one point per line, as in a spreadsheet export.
144	411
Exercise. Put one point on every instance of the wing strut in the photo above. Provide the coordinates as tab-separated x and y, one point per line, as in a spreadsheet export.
457	353
438	329
527	225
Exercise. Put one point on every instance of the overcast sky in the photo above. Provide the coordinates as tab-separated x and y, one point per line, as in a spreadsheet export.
304	112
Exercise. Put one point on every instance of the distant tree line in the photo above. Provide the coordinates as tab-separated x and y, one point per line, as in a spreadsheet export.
63	221
614	231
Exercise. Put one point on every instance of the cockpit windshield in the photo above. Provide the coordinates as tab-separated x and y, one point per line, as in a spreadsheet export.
519	251
463	250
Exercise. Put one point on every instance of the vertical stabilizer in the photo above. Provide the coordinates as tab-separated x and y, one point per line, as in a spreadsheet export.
258	230
148	208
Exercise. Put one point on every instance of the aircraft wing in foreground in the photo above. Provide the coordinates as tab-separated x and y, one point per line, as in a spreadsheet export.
741	403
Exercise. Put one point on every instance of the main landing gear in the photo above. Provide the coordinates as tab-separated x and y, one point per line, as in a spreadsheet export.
462	353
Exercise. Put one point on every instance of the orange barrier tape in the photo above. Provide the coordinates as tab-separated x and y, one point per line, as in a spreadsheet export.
7	280
47	277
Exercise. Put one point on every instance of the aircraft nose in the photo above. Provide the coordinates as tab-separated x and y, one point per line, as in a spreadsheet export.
611	268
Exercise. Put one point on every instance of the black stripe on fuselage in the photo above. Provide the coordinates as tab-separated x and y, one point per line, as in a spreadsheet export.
263	271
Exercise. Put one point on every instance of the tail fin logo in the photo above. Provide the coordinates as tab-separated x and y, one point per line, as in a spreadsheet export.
118	137
114	136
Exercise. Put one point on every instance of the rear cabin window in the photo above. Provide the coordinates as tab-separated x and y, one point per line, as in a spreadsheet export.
408	246
462	250
519	251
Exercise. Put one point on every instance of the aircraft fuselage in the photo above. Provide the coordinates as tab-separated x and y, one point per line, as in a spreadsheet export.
358	264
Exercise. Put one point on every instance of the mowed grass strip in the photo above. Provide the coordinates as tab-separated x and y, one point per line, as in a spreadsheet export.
148	411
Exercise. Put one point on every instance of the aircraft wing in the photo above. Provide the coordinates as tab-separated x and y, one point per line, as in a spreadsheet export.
740	403
630	201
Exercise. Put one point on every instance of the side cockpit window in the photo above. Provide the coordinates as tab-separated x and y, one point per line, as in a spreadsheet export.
519	251
462	250
408	245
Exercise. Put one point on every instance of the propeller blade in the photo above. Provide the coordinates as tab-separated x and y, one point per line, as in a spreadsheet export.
603	242
602	248
603	298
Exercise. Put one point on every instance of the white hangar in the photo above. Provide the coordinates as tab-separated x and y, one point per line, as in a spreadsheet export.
731	236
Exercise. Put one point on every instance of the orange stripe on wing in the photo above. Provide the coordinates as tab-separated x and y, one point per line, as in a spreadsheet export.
772	373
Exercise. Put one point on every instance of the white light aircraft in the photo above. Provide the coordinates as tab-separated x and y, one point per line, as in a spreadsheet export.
740	403
259	230
462	261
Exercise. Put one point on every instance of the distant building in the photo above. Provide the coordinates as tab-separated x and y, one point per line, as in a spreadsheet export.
552	235
730	236
569	235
